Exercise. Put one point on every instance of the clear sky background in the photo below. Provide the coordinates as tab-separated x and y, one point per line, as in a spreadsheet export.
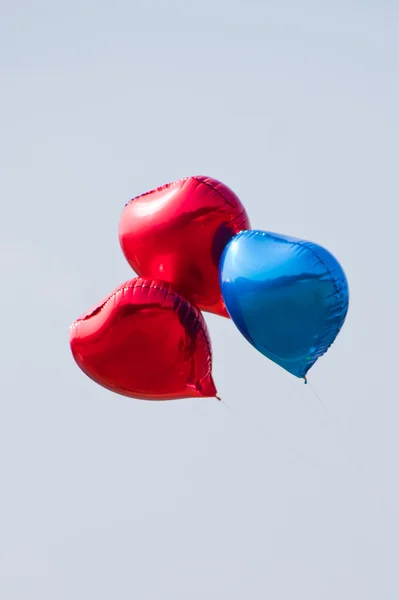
294	105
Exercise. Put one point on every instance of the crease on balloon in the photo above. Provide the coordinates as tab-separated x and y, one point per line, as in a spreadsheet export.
160	188
204	181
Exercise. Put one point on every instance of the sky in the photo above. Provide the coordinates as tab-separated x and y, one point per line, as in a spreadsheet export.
284	493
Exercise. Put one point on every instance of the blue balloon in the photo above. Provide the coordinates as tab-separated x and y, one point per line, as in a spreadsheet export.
287	296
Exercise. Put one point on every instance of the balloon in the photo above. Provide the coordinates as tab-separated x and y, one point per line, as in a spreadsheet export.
145	341
177	233
288	297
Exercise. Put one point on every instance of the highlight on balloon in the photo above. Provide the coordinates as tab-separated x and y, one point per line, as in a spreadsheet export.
191	244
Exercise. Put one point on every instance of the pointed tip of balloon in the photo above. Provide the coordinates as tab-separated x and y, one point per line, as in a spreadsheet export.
206	388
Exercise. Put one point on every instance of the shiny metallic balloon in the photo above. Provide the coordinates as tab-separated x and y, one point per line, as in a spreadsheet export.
177	233
288	297
145	341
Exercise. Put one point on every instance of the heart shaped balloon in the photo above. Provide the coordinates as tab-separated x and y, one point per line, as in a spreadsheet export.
177	233
288	297
145	341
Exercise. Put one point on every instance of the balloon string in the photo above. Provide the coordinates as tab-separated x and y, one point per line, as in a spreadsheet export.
268	436
341	443
321	401
223	402
356	464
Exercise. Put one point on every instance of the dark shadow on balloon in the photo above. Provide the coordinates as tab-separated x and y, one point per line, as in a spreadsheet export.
224	234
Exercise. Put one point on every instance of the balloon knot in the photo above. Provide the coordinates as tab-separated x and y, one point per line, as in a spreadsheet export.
218	398
305	380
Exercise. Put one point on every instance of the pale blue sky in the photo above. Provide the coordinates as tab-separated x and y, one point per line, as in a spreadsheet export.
295	106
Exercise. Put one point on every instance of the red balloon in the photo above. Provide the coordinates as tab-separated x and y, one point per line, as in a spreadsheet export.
145	341
177	233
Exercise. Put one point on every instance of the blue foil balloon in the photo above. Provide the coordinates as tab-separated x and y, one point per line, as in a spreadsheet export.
288	297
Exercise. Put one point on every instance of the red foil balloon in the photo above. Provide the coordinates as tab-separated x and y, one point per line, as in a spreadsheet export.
145	341
177	233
